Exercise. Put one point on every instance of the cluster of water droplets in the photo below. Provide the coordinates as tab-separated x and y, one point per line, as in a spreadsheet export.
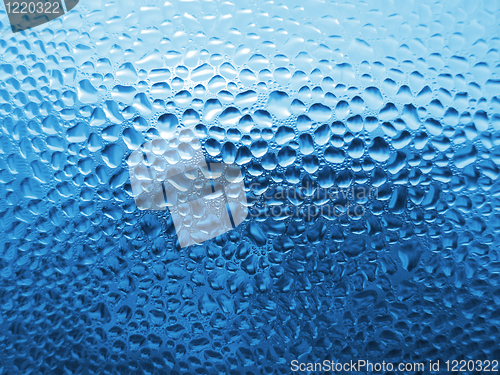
396	98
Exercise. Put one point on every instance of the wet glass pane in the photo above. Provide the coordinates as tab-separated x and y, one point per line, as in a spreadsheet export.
249	187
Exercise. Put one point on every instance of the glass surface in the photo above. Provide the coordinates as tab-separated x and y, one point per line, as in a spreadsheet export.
360	216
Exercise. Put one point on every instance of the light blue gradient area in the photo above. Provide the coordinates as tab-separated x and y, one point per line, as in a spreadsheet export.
318	103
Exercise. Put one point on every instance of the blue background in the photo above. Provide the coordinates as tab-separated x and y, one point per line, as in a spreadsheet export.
397	98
